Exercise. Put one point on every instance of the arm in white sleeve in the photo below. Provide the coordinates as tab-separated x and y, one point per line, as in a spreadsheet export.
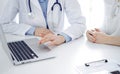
75	18
31	31
6	19
67	38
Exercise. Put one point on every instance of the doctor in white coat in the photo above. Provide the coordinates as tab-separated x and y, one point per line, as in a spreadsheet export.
44	18
110	32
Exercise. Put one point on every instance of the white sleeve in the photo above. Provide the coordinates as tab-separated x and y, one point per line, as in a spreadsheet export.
108	5
6	19
117	31
75	18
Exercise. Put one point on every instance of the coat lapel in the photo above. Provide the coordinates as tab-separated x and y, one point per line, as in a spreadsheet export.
36	3
50	4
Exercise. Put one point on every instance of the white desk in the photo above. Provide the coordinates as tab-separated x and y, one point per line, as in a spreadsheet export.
68	56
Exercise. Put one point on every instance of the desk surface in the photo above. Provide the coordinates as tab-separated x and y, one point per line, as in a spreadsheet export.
68	56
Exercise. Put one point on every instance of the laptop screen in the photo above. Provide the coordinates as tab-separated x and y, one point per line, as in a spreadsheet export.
4	42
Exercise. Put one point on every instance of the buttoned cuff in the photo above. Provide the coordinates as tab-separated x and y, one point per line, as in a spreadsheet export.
67	37
30	31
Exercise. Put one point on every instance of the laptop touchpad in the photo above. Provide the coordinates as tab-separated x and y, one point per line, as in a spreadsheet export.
34	45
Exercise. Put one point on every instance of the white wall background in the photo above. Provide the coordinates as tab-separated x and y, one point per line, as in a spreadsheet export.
93	10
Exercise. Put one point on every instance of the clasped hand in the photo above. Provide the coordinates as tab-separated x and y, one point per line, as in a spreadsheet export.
49	36
97	36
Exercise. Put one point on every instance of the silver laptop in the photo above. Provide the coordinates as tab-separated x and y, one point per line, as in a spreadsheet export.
25	51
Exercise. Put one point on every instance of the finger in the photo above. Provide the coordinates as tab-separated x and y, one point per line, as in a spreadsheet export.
91	38
54	43
96	29
47	38
41	35
44	40
57	41
93	33
90	32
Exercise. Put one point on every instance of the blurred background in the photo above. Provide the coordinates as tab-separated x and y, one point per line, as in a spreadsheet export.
93	10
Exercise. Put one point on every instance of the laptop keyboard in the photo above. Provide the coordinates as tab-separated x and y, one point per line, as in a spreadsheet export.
21	51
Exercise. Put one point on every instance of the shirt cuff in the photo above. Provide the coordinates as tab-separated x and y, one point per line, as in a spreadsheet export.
30	31
67	37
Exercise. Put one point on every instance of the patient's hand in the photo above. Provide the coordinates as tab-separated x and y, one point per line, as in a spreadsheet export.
97	36
90	36
101	37
41	32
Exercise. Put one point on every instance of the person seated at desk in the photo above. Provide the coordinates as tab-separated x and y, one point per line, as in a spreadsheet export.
44	18
110	32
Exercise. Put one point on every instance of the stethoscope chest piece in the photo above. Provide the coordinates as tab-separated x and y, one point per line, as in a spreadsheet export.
30	15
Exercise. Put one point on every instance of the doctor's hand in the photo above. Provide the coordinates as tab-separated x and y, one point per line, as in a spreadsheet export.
41	32
53	39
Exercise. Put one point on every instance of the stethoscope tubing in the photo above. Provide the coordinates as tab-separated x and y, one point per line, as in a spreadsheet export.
30	14
52	8
56	3
29	5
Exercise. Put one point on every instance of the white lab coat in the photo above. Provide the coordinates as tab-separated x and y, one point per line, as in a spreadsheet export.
55	19
111	24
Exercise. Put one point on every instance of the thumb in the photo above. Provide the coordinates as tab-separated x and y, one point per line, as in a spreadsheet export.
51	43
96	29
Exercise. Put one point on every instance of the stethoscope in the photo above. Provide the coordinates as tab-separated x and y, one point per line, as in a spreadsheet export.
116	8
52	8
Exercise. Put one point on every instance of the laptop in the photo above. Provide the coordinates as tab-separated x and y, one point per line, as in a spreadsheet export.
25	51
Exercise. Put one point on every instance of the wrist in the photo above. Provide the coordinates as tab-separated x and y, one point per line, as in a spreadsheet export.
66	37
30	31
35	32
62	37
108	39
